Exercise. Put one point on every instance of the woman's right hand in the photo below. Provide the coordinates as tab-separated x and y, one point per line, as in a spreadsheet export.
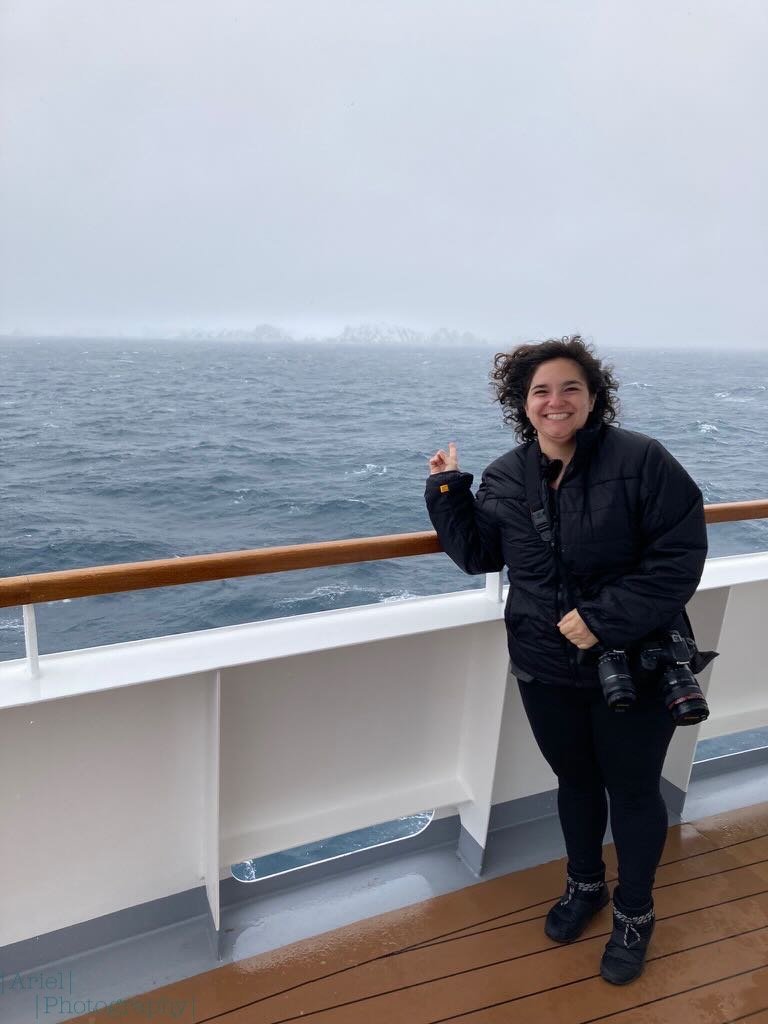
441	463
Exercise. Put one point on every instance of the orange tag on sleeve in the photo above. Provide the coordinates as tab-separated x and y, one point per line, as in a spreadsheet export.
443	488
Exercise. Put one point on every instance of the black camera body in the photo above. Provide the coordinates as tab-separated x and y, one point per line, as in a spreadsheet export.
670	655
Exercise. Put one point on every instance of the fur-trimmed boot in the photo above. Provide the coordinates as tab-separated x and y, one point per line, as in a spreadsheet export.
624	956
568	918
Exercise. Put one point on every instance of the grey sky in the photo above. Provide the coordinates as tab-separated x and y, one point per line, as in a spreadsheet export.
516	169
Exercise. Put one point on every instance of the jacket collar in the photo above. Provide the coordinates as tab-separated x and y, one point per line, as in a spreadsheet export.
586	438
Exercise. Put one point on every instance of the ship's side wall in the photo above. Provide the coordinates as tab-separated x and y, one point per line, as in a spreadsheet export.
139	771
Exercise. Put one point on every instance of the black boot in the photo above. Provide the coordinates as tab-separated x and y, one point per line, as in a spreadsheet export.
576	908
624	956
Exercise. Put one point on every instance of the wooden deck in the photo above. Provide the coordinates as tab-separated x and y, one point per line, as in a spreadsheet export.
480	955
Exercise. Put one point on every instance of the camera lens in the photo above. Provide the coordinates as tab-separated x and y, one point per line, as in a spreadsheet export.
683	696
616	681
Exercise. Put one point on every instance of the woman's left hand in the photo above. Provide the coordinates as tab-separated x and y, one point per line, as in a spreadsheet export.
575	629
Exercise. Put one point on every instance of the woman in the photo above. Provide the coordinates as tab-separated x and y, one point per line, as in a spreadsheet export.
620	552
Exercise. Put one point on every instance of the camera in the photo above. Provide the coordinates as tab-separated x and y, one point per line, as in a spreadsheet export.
670	654
616	680
682	694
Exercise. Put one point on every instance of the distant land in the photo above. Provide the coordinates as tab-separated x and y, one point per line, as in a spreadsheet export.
380	333
359	334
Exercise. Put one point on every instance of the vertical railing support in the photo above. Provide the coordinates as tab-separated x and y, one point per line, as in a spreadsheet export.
494	586
30	640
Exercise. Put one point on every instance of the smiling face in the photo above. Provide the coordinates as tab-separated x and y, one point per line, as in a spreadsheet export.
558	404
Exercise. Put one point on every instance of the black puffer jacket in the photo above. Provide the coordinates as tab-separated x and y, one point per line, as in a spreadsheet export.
629	525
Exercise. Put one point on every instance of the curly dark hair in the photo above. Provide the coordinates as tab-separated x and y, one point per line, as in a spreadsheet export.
513	372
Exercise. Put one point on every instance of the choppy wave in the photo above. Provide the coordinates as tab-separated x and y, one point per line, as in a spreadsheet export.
745	393
401	595
327	510
333	595
369	469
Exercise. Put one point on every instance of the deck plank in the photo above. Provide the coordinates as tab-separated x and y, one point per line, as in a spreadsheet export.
723	1002
519	963
707	862
734	826
737	963
480	954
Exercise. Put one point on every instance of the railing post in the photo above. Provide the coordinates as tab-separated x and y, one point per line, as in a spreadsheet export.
30	639
494	587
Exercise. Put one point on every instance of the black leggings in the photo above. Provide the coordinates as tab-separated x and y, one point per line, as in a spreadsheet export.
592	749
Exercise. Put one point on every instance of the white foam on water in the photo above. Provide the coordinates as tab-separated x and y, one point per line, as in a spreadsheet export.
370	469
746	393
334	591
327	591
401	595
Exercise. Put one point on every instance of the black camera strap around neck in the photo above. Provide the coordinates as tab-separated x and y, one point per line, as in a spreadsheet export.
533	491
536	490
535	485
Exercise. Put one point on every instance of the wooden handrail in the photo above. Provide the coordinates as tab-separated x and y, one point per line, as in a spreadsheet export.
733	511
171	572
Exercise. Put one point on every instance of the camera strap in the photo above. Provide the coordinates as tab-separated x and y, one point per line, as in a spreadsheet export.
533	482
536	489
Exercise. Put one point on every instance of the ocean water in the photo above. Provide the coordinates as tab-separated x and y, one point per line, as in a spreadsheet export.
124	451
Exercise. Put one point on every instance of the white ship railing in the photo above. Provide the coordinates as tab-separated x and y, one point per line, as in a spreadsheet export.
134	771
